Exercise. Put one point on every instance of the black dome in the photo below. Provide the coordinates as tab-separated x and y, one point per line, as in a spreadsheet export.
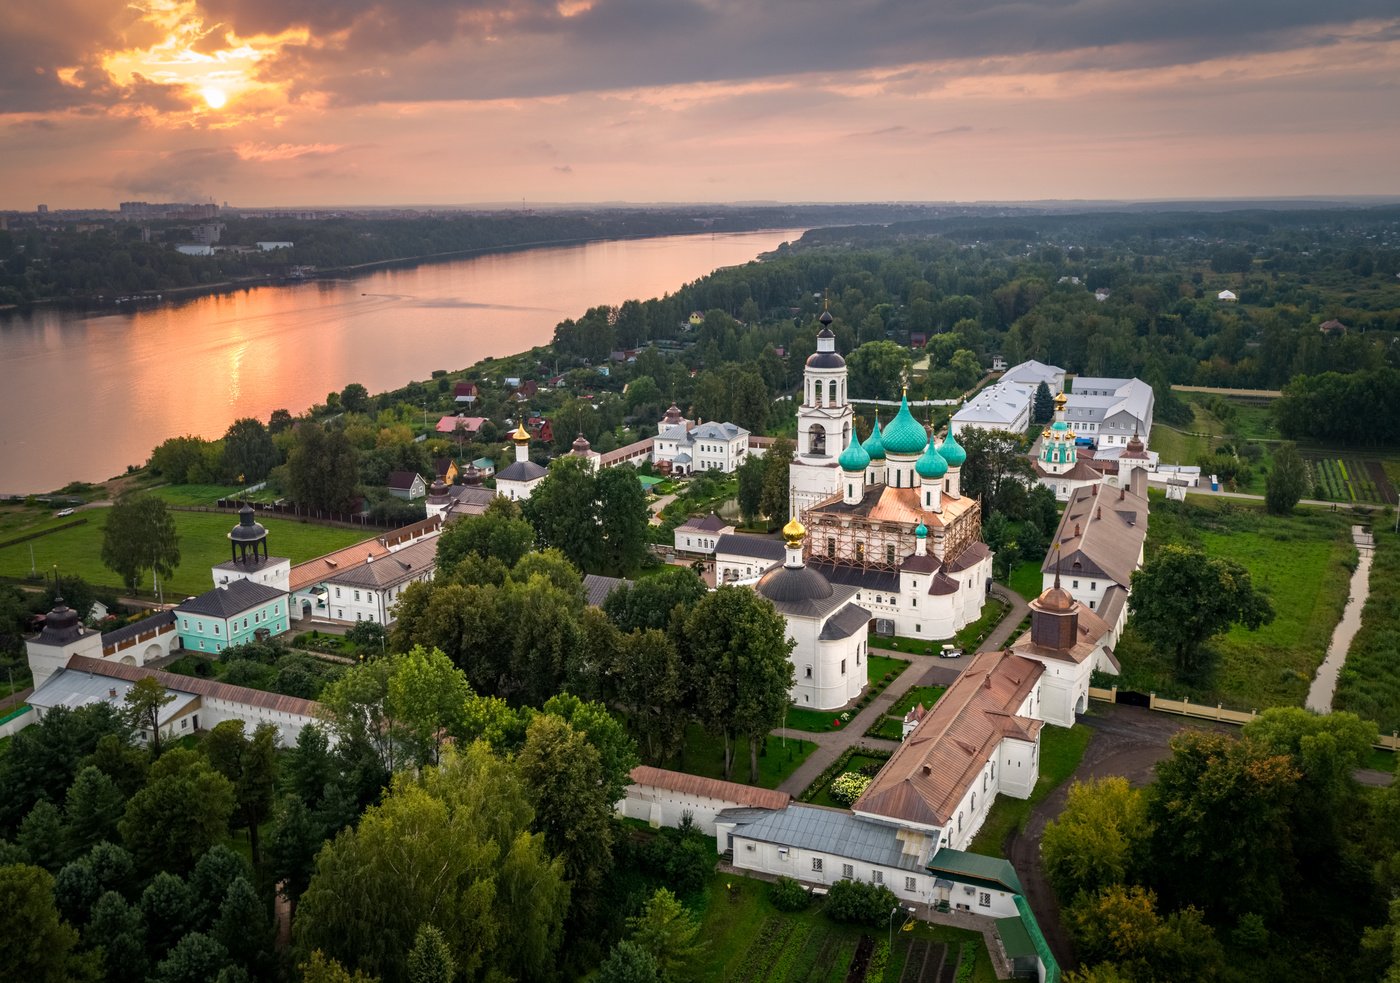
248	529
61	626
826	317
788	585
825	360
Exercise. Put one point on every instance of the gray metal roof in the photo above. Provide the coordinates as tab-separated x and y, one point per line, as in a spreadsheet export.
521	471
596	588
388	571
119	635
802	827
1000	403
737	544
73	689
716	431
846	622
231	599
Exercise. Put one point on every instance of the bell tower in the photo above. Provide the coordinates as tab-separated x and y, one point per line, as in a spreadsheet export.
825	422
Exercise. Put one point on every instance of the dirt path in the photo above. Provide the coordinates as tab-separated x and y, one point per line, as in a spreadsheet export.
1324	684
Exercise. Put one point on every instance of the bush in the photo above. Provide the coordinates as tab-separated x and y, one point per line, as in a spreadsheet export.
860	903
848	787
788	895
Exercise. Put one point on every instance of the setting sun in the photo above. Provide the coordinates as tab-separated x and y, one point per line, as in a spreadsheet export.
214	96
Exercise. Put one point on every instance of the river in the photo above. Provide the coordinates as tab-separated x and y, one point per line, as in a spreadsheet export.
88	393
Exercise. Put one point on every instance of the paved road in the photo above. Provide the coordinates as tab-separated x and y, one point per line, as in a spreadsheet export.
1324	684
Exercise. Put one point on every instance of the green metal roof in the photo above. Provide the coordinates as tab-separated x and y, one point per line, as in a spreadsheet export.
952	451
905	435
974	866
854	457
1042	948
1015	939
874	444
932	464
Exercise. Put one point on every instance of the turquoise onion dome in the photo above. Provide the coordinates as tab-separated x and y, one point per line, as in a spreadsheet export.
1060	425
874	444
854	457
932	464
905	435
952	451
921	531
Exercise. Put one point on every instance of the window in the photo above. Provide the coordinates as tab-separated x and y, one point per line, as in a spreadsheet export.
914	603
199	626
357	593
337	592
809	672
877	877
830	546
843	667
817	864
910	884
974	801
959	822
984	899
918	628
185	624
1076	585
889	553
984	781
216	629
848	871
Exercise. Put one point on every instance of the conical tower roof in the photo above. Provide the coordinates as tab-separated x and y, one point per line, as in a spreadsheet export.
854	457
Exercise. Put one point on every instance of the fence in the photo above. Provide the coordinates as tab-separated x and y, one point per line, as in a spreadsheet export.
16	720
297	512
1184	707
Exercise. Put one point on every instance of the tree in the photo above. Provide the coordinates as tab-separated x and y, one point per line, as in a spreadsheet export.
1181	598
181	813
196	958
323	470
877	369
750	475
251	765
506	537
279	421
44	758
997	469
1043	406
563	509
354	398
118	928
650	688
430	959
140	535
776	465
142	705
573	803
296	837
628	962
249	453
35	944
1287	481
454	851
623	518
41	836
651	601
735	647
965	367
1098	840
667	930
426	692
1120	926
92	808
244	929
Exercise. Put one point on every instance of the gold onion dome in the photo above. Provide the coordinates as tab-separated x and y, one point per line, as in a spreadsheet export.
521	435
1061	400
793	533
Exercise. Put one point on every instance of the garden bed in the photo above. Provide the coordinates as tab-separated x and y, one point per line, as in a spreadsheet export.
891	725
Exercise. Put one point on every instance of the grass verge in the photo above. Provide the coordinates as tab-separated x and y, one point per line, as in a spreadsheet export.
777	759
891	725
1061	749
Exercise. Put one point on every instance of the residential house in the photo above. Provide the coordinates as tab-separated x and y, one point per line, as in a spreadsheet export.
465	393
700	534
445	470
310	582
368	591
408	485
232	614
463	426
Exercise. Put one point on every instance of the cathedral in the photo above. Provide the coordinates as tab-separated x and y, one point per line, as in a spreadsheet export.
887	515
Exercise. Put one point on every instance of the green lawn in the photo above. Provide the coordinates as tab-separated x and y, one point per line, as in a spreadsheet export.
1061	749
877	666
967	639
748	939
1299	560
1026	579
203	543
891	726
194	494
704	755
812	721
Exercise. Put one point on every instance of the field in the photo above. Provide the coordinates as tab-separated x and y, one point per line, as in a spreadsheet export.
1349	479
747	939
1300	560
77	549
1061	749
704	755
193	494
1370	681
891	726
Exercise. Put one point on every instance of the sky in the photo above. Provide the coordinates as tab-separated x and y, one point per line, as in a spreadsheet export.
364	102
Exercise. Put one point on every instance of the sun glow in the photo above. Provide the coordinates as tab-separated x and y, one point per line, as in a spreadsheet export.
214	97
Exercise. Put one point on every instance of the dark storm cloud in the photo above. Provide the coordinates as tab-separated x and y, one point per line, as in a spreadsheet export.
526	48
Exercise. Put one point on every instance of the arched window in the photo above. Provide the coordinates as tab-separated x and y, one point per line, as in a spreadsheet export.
974	801
959	822
831	392
817	437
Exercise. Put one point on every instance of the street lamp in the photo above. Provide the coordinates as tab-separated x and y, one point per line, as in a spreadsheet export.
890	941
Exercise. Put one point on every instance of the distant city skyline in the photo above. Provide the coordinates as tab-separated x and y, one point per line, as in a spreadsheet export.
360	102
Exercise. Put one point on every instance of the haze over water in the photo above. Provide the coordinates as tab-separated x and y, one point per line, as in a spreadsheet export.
93	393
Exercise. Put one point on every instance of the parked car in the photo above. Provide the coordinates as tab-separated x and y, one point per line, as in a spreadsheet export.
949	652
63	513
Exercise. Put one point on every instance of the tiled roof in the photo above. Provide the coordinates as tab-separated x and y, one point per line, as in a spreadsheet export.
391	569
323	567
932	770
1090	633
884	503
230	599
1100	535
711	788
835	831
193	684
